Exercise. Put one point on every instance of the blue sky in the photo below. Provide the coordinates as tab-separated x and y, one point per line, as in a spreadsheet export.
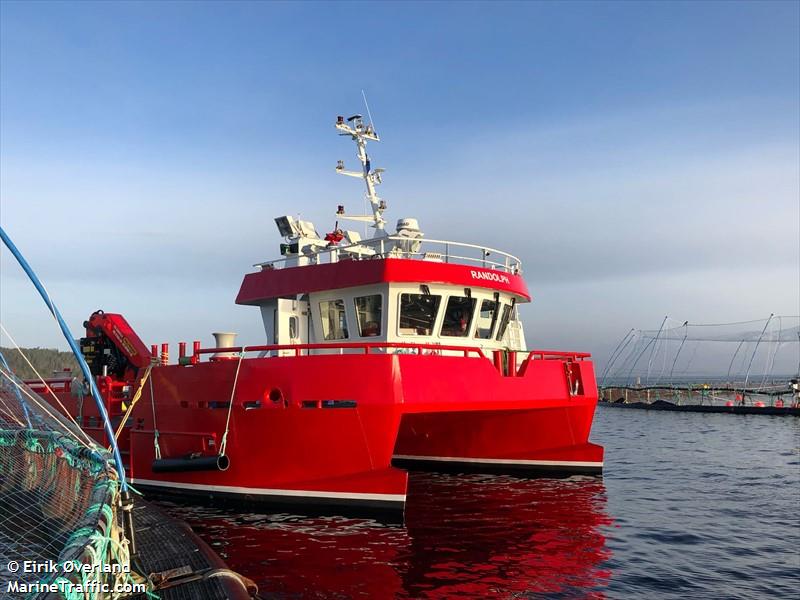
642	158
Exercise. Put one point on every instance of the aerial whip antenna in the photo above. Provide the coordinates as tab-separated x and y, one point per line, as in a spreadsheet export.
366	105
371	124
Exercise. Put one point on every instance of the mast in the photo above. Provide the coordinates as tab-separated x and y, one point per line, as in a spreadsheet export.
360	133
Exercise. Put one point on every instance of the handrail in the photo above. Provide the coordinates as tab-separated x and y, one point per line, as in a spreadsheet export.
368	346
485	249
365	346
511	264
556	354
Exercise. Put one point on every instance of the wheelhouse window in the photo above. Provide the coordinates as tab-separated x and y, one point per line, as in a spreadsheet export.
501	330
334	320
486	319
458	316
368	314
418	313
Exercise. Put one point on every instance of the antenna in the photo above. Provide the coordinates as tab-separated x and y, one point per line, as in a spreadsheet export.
369	114
360	133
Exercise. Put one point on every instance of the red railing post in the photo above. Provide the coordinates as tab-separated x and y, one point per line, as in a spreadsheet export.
512	363
497	359
195	352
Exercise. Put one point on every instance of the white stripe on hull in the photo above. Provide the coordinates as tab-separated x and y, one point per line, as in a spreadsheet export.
231	489
502	461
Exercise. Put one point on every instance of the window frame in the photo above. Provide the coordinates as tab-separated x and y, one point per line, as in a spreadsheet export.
495	318
383	313
325	319
508	309
436	316
470	324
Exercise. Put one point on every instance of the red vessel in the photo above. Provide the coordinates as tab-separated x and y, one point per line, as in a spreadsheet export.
380	352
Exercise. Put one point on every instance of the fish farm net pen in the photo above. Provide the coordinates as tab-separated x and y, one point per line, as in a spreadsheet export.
61	534
733	364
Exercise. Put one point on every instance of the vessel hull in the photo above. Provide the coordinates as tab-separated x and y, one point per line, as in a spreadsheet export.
329	430
473	418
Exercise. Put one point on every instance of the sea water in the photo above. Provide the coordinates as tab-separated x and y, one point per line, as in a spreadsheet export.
690	506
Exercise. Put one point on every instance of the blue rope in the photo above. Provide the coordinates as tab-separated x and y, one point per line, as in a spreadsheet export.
78	355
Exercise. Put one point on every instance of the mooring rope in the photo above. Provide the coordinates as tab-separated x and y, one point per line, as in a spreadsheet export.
156	446
223	446
135	399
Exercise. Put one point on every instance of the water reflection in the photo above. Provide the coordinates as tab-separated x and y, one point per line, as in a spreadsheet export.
466	536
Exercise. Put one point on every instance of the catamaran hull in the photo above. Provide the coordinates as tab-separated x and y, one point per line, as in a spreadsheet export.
326	430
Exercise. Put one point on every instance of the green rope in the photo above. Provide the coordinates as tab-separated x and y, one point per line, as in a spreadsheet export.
99	542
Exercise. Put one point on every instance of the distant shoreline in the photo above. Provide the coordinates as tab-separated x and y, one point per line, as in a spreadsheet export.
45	360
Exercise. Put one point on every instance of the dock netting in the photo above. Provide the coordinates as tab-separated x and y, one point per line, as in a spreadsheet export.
61	535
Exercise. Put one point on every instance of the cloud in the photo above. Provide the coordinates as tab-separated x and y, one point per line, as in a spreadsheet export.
619	198
619	219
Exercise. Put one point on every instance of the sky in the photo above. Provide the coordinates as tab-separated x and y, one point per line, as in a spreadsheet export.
642	159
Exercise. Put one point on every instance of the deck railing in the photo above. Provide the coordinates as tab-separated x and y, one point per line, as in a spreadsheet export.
554	355
395	246
365	347
508	362
511	357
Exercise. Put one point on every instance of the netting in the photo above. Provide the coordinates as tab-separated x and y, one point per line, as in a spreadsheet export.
60	532
748	362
